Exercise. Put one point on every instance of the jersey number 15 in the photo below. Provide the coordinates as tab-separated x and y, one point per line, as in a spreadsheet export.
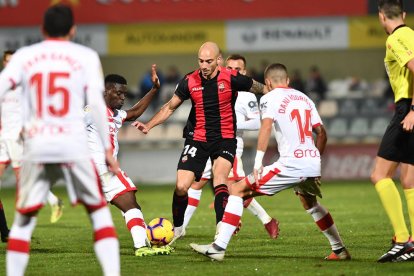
52	89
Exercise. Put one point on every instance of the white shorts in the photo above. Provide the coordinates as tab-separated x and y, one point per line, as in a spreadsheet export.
11	151
276	178
114	185
236	173
82	183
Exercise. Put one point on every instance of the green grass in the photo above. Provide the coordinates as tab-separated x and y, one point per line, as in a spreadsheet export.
65	248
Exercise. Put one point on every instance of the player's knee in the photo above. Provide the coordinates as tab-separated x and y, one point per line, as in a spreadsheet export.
307	201
181	189
375	177
407	182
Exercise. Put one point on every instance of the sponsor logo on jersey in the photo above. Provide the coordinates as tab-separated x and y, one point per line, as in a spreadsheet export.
195	89
307	153
221	87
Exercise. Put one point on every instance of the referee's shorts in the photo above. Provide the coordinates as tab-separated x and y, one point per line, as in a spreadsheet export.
398	145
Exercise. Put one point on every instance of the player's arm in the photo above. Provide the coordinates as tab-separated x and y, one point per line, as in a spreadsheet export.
94	98
10	77
262	143
257	87
321	138
248	119
136	111
408	122
248	123
161	116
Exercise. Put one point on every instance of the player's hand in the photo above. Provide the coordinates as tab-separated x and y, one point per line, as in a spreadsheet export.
140	126
408	122
257	173
154	77
111	162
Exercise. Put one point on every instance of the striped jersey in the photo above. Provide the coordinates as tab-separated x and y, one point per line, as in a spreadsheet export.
212	116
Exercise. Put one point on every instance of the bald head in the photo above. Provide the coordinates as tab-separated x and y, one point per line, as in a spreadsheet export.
208	58
209	48
276	75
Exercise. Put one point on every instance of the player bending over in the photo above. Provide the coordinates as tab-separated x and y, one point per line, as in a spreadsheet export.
293	116
118	187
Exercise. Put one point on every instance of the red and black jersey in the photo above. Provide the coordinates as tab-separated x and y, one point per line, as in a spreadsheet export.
212	116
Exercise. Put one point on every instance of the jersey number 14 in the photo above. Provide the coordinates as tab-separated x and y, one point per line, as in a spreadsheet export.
304	127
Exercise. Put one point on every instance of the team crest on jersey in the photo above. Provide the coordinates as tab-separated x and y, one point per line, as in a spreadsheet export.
221	87
184	159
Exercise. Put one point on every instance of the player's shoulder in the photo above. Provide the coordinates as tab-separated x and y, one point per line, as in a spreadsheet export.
246	96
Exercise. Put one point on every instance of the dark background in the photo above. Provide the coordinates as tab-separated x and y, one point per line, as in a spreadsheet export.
373	7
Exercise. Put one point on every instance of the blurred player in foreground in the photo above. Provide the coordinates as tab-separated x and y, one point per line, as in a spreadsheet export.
118	188
248	119
11	143
293	116
58	78
213	91
397	145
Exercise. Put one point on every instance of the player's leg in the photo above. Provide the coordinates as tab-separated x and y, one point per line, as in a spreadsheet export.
229	223
120	191
4	161
194	195
270	224
407	182
134	220
83	184
56	205
180	201
322	218
381	177
221	169
31	194
190	167
4	229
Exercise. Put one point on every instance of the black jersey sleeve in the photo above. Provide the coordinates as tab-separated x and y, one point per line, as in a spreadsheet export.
182	89
241	82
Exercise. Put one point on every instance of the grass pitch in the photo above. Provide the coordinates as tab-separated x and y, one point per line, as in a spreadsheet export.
65	248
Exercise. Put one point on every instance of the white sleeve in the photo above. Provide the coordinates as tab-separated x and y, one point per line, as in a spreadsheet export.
11	76
267	107
95	100
248	116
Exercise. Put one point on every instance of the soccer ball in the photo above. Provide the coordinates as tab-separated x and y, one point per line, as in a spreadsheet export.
160	231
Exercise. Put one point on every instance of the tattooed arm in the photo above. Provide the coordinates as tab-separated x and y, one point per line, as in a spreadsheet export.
257	87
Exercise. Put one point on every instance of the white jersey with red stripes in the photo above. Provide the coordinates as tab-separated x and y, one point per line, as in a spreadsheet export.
115	119
294	115
58	78
11	114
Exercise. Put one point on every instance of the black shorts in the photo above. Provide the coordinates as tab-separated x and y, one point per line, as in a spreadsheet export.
195	154
398	145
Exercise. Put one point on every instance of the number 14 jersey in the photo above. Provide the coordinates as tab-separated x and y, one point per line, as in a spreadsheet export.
294	116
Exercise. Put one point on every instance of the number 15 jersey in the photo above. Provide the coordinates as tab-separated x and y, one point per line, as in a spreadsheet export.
294	115
58	78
